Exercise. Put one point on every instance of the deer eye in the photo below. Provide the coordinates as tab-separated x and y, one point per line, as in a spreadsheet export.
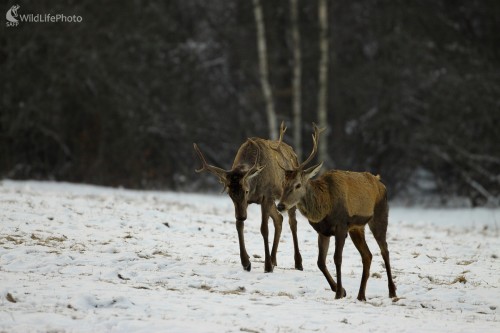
297	186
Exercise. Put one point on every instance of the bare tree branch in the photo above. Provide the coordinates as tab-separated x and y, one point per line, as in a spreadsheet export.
296	81
323	75
263	69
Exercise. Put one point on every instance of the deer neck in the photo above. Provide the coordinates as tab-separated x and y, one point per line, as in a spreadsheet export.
316	203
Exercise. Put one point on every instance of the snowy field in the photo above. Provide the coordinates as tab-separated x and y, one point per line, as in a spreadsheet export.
76	258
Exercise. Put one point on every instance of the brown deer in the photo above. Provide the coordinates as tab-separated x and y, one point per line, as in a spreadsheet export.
256	177
338	203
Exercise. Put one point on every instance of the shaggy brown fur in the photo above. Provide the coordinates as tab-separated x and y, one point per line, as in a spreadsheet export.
358	192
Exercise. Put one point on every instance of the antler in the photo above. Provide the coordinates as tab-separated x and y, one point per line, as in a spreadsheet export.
282	133
315	137
255	169
221	173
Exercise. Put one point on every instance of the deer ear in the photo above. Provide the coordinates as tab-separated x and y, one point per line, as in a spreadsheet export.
225	184
254	172
312	171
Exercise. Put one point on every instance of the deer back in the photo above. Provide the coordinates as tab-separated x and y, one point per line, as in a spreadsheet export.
358	192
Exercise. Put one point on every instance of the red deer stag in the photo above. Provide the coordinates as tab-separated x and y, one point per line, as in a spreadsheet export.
338	203
256	177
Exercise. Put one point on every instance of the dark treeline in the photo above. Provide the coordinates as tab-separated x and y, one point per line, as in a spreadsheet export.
118	99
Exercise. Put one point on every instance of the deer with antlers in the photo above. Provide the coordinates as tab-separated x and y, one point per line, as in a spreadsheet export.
336	204
256	177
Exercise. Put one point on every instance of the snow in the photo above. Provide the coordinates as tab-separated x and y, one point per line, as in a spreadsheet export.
79	258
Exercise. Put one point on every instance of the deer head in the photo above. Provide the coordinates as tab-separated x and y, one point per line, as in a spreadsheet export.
294	185
235	181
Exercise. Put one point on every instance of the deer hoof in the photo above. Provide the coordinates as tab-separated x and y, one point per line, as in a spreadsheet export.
248	267
339	295
268	269
298	262
361	298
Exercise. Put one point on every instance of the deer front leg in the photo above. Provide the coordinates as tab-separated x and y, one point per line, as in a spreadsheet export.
323	243
245	259
292	220
264	230
278	225
337	258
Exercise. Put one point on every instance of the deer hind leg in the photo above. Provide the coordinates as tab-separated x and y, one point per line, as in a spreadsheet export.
379	229
358	238
323	244
264	230
245	259
292	220
278	225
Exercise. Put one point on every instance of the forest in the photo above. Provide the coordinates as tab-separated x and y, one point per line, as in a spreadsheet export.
412	91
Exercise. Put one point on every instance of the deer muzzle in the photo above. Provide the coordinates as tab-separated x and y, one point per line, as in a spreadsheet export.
281	207
240	211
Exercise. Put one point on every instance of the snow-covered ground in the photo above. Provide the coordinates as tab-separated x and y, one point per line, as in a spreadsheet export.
76	258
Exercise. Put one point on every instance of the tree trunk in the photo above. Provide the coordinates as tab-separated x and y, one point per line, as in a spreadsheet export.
296	81
323	79
263	70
